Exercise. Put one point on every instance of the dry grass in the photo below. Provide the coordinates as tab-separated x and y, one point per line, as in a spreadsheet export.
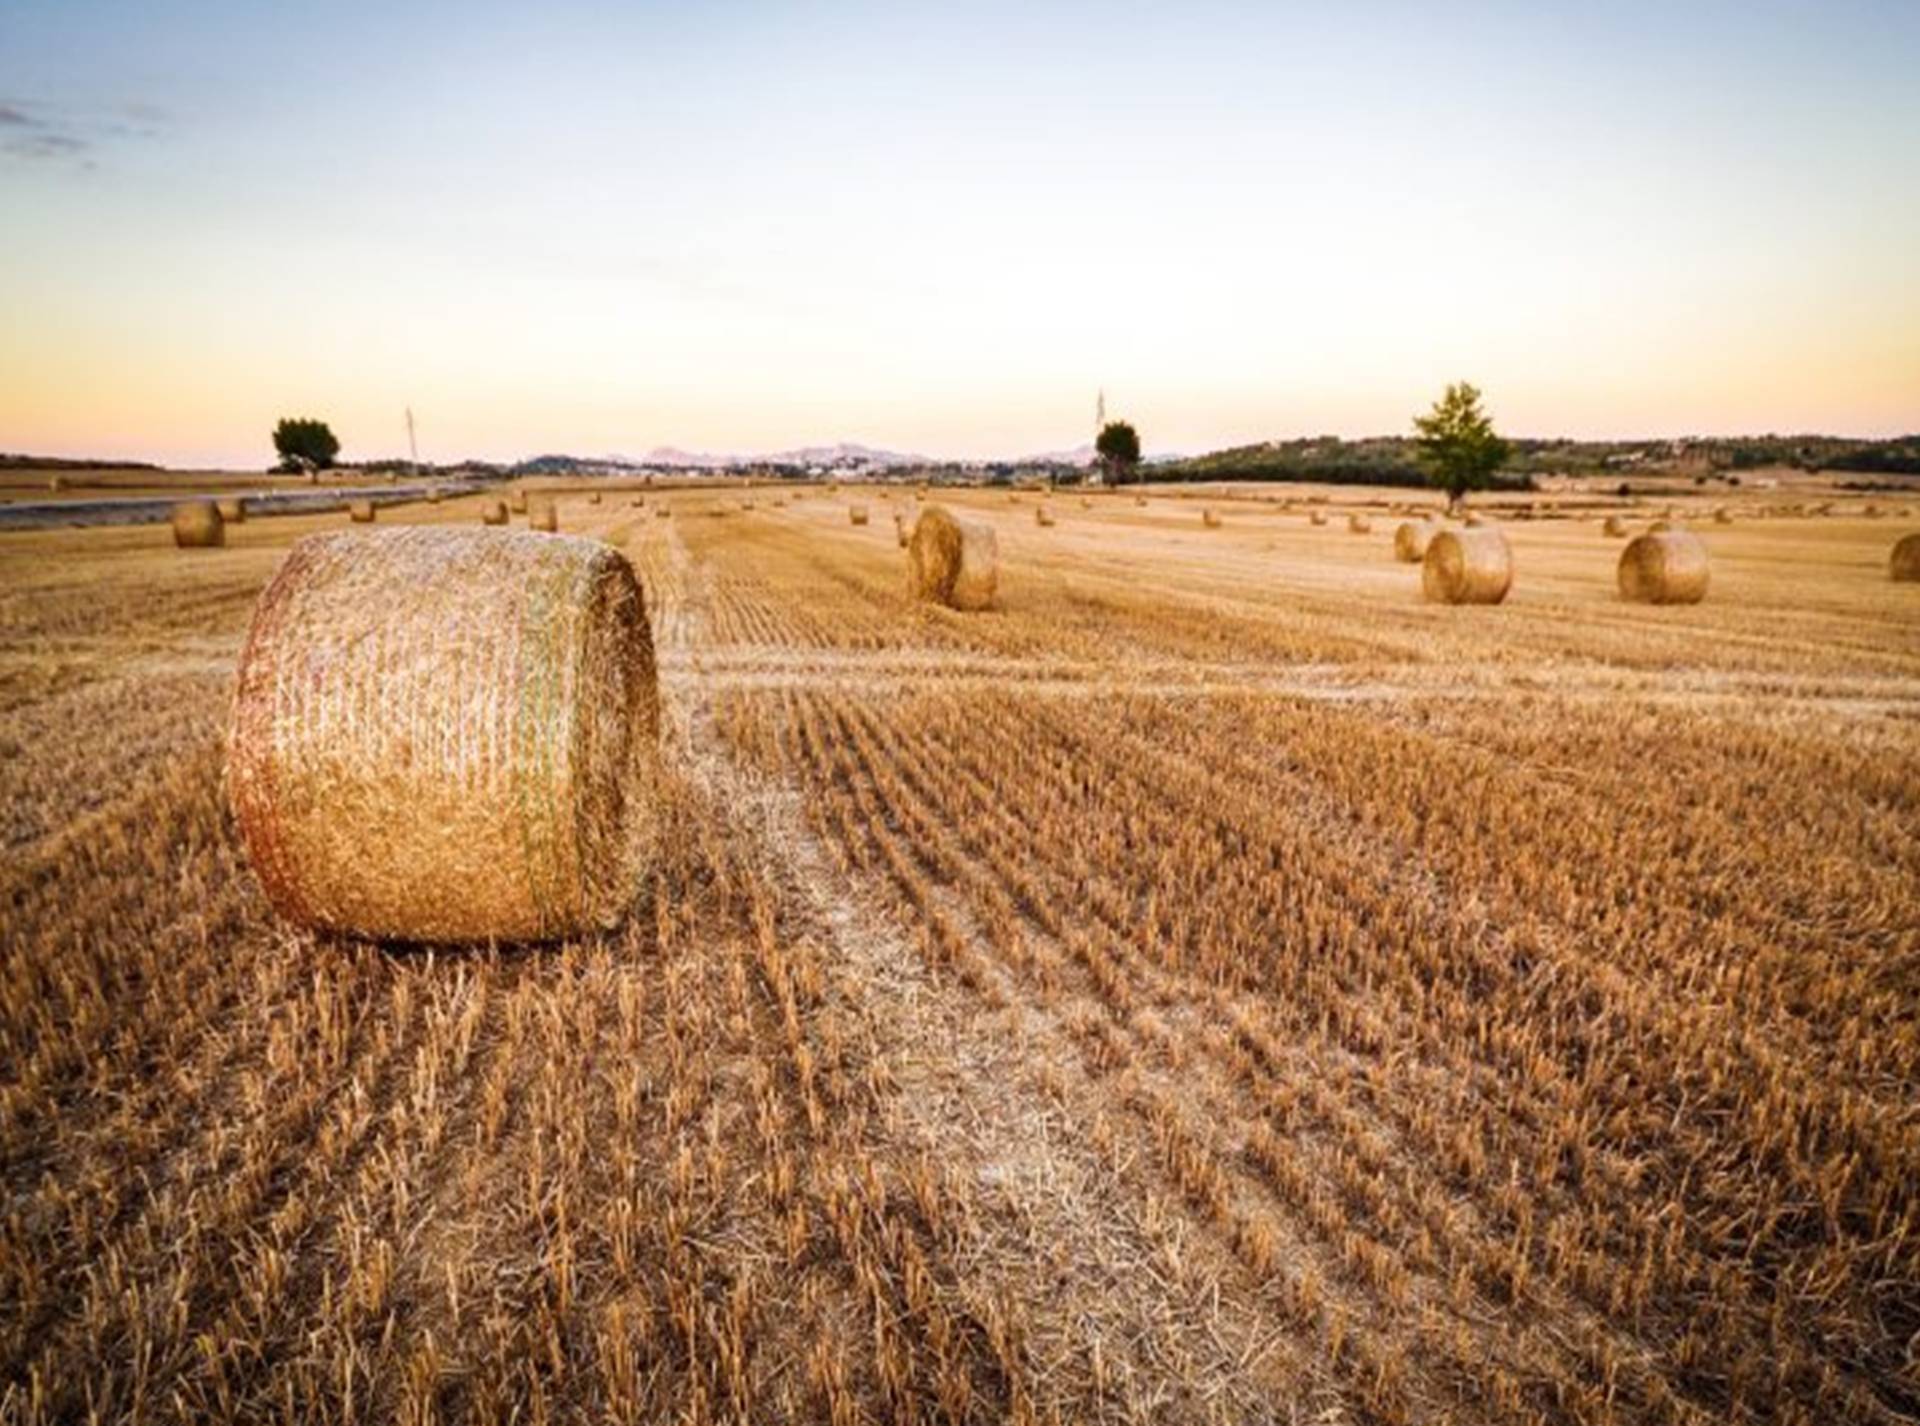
1215	985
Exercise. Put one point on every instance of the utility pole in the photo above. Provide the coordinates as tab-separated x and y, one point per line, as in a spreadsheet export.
413	446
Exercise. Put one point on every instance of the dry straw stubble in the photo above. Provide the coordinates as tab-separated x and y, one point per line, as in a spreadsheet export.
1472	566
197	525
1664	567
953	561
447	734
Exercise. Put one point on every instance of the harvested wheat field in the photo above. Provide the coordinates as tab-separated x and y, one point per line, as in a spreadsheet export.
1214	983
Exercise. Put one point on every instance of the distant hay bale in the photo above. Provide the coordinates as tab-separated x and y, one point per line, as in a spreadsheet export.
1870	512
1140	501
434	494
517	502
638	501
1904	563
1665	568
197	525
493	512
1476	521
1318	517
1722	515
1086	502
1467	567
447	735
1410	540
952	561
901	531
1358	524
232	510
857	514
1660	527
1210	518
543	515
594	498
360	511
1614	527
662	512
1042	516
56	482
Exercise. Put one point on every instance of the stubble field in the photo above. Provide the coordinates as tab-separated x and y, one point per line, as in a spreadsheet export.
1213	986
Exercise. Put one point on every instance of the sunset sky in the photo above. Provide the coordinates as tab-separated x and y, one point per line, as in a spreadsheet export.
604	227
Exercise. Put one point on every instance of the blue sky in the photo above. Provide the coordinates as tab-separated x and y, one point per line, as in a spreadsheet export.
606	227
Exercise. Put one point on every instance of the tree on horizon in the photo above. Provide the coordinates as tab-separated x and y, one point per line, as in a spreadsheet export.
1457	444
305	444
1118	447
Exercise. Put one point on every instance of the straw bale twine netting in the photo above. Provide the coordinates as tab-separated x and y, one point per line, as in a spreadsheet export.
1614	527
953	561
1359	524
447	734
1904	563
233	510
1665	568
493	512
360	511
197	525
857	514
1410	540
1467	567
543	515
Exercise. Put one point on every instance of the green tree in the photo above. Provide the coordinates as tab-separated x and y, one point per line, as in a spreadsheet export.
1118	447
1457	444
304	443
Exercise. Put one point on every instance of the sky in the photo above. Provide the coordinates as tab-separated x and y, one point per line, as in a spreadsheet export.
604	227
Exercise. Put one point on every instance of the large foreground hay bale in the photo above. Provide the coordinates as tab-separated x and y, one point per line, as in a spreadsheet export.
857	514
1410	540
493	512
447	735
543	514
1669	567
1359	524
233	510
953	561
197	525
360	511
1904	563
1467	567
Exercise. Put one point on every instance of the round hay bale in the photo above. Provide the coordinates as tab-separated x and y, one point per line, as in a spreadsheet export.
56	482
594	498
1476	522
1904	563
543	515
1410	540
1358	524
197	525
493	512
1210	518
1870	512
434	494
360	511
1660	527
1318	517
447	735
900	531
1140	501
1665	568
857	514
1086	502
952	561
1722	515
1042	516
1467	567
232	510
1614	527
517	502
638	501
662	512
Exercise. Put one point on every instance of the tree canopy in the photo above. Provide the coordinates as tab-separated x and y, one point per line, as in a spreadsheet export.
1456	442
304	443
1118	447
